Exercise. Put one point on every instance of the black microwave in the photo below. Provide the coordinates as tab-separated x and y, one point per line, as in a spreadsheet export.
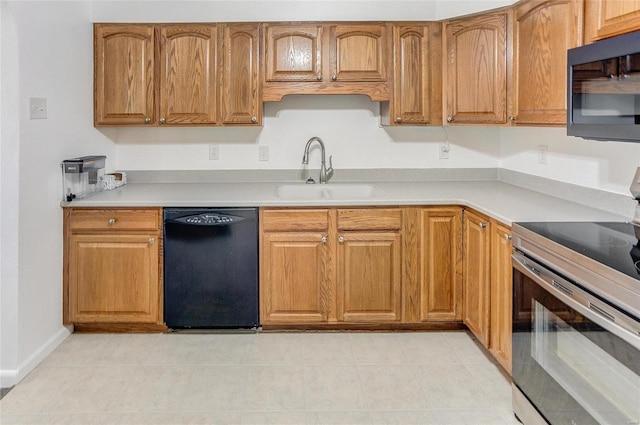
603	89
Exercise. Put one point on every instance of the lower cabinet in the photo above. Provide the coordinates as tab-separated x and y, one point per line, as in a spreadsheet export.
338	265
295	268
112	268
441	264
501	294
369	278
476	272
374	266
488	293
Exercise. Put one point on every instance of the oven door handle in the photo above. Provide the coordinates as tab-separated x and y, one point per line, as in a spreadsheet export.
620	325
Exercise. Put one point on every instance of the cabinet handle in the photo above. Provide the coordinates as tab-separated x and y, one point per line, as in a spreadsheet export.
512	118
319	77
152	241
147	120
398	119
254	120
334	77
483	225
112	221
324	239
162	120
507	236
340	239
449	118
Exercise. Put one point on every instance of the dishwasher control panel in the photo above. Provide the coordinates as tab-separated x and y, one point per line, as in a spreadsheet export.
207	219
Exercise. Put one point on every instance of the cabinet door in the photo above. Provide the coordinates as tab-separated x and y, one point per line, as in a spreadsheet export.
369	277
501	294
359	52
441	254
241	100
293	53
476	66
294	278
417	89
608	18
188	74
476	275
113	278
543	31
124	74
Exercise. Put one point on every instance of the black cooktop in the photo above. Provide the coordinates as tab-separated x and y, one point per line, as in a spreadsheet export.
614	244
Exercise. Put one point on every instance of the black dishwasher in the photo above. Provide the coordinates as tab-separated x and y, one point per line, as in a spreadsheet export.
211	268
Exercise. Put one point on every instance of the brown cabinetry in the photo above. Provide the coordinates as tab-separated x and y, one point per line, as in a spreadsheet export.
543	31
170	74
441	264
112	267
475	77
295	274
188	69
608	18
369	281
330	266
476	272
124	74
416	79
326	58
501	294
241	97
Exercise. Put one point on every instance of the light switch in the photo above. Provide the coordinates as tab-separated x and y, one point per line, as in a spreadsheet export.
38	108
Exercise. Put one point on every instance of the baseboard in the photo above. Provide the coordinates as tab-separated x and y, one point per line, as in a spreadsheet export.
10	377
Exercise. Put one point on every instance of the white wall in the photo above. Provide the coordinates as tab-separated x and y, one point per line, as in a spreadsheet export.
53	53
608	166
287	10
348	125
8	197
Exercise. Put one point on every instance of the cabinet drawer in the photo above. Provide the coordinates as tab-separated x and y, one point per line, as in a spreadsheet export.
114	219
370	219
294	220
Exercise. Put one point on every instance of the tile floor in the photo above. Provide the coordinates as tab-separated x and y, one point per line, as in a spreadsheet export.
423	378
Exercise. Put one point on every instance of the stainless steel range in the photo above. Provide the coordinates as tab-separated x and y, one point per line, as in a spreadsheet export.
576	323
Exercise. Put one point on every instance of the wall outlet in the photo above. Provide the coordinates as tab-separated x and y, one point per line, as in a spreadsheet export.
543	151
443	151
263	153
214	152
38	108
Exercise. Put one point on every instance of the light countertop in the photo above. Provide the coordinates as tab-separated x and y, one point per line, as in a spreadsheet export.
502	201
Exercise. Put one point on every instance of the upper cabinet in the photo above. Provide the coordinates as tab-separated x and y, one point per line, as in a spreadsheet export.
475	77
241	99
124	71
416	78
171	74
326	59
187	74
543	32
293	53
608	18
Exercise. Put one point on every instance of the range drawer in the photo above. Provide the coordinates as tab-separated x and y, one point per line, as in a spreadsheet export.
115	219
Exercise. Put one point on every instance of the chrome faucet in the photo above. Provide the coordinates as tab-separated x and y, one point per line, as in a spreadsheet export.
325	173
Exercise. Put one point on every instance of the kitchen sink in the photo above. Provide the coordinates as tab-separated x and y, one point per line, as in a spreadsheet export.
327	191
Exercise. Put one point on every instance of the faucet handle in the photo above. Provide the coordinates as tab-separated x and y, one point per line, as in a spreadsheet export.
330	169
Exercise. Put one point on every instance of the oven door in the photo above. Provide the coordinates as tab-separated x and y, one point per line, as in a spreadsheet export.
575	357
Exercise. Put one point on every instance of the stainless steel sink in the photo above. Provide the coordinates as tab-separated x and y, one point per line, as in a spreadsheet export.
327	191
